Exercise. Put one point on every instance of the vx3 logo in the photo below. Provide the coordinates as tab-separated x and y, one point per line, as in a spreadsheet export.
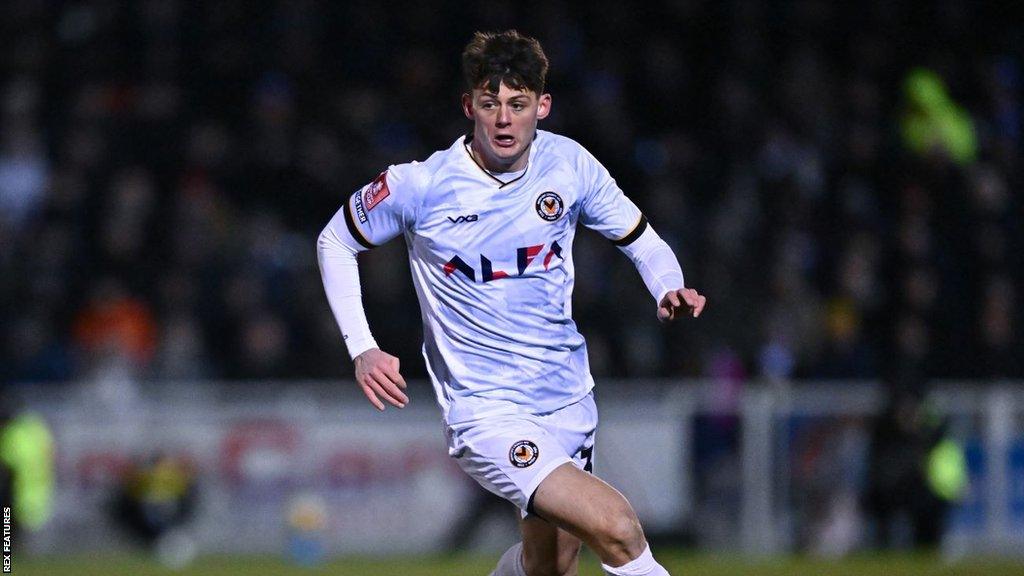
461	219
524	256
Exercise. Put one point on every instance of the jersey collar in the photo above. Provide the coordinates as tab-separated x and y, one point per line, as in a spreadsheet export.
501	183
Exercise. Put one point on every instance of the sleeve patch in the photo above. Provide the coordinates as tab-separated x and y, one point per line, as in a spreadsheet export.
376	192
360	211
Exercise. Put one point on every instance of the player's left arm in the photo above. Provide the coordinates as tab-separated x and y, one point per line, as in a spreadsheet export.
663	276
607	210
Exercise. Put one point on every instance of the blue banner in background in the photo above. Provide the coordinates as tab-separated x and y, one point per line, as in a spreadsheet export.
1016	485
969	515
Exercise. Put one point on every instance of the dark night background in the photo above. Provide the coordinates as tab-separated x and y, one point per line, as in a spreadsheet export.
166	167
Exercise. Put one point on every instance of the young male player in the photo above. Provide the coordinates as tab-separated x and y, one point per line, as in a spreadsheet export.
489	225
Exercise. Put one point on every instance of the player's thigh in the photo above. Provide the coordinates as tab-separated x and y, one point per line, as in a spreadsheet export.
587	507
547	549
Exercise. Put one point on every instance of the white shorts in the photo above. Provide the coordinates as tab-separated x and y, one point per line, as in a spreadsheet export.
511	454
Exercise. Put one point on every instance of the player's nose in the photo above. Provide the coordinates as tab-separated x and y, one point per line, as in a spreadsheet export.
504	117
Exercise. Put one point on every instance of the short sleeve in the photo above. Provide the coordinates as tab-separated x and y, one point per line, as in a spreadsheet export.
604	207
382	209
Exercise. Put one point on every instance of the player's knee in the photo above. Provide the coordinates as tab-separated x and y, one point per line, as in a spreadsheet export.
621	539
564	563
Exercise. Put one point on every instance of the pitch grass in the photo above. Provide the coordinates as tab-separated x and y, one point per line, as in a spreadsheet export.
678	563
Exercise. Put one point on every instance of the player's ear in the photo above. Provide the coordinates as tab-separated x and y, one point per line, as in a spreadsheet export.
543	106
467	105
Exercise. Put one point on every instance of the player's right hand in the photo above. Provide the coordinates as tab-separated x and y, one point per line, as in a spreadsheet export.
378	376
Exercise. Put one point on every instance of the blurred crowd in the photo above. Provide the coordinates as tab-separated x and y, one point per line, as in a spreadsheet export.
840	180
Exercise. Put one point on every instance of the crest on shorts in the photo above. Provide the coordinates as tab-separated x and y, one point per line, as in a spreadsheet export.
523	453
376	191
549	206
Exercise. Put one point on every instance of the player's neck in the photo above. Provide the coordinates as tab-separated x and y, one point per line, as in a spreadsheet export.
496	166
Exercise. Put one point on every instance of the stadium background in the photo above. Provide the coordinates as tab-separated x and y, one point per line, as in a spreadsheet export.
166	166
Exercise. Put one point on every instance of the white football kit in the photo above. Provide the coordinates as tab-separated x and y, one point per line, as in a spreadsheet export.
491	259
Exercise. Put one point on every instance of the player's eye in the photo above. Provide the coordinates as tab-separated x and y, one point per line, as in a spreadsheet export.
518	106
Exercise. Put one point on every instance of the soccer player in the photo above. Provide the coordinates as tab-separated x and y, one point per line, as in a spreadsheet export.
489	225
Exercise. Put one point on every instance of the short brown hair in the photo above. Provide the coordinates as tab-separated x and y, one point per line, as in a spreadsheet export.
494	57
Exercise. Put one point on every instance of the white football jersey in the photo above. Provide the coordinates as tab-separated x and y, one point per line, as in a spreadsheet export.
491	259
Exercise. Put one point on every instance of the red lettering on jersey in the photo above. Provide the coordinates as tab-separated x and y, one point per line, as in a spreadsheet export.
526	255
556	250
376	192
547	259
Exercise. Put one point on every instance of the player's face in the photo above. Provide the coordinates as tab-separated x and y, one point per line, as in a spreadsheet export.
504	125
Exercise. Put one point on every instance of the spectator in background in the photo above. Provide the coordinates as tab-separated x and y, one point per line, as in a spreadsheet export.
26	465
24	170
6	483
156	497
115	332
847	353
33	352
933	124
915	472
1000	357
154	502
114	335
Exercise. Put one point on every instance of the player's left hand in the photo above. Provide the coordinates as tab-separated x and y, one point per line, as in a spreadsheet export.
675	302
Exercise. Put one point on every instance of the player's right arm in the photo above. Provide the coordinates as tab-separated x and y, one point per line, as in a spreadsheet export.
370	217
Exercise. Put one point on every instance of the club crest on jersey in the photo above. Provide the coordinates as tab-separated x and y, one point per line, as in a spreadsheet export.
549	206
376	192
523	453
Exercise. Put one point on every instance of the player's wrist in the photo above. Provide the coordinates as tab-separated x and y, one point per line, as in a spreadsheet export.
358	348
665	291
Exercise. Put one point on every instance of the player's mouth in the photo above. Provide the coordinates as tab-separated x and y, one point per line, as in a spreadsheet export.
505	140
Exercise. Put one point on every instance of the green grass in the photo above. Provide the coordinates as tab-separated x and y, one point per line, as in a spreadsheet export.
677	563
